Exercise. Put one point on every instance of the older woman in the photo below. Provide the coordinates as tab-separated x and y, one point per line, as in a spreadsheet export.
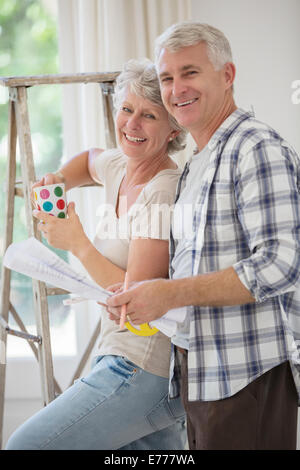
123	402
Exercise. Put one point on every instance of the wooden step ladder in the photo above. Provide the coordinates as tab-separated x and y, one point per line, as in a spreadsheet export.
19	128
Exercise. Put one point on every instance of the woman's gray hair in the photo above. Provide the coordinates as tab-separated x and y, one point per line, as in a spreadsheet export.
187	34
140	77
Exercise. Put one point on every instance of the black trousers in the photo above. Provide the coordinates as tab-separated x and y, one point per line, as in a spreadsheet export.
262	416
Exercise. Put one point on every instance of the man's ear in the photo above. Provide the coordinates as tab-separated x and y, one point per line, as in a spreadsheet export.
229	74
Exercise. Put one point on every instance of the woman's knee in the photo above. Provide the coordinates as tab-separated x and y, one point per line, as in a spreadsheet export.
21	440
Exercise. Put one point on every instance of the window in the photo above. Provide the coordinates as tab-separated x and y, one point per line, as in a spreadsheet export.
28	36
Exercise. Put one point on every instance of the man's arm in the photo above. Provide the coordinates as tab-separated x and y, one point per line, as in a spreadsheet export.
271	222
217	289
149	300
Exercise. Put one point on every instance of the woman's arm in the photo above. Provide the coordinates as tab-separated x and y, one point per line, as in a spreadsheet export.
147	259
78	171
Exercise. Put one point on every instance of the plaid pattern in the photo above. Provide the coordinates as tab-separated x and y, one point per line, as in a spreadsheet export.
247	216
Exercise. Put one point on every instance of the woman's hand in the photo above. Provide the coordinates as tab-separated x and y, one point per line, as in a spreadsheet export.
49	178
65	234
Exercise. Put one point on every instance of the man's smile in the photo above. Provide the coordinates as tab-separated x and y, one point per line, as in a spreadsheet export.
185	103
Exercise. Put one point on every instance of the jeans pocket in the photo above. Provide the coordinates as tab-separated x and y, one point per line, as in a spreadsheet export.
95	361
122	366
165	413
129	364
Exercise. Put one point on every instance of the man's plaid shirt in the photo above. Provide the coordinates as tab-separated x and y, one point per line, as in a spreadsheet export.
247	216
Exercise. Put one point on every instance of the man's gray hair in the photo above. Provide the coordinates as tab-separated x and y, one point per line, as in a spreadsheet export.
140	77
187	34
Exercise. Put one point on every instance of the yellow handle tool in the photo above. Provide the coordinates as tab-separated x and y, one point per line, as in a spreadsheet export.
145	329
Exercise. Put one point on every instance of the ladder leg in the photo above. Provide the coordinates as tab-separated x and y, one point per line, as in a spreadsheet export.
8	237
107	101
86	353
39	288
34	349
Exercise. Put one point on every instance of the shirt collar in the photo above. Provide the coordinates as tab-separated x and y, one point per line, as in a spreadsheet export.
227	127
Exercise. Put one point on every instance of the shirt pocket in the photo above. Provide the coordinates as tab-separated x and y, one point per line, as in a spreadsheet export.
222	219
222	196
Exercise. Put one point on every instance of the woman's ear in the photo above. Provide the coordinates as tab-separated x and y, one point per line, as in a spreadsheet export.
173	135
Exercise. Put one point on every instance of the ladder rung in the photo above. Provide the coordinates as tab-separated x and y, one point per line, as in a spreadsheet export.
19	192
56	291
20	334
93	77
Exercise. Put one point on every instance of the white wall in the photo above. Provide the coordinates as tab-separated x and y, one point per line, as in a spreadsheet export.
265	40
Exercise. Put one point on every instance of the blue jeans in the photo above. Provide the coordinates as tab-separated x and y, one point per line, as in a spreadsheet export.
116	406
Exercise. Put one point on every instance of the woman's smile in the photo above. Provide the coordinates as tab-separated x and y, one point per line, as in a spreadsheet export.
134	139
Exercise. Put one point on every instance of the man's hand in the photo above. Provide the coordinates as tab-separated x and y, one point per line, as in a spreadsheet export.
146	301
114	313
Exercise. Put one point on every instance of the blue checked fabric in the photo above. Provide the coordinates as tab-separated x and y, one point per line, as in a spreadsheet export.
247	216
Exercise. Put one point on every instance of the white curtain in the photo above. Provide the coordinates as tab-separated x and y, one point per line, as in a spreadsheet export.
99	36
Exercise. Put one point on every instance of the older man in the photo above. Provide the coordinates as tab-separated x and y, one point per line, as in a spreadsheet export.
236	277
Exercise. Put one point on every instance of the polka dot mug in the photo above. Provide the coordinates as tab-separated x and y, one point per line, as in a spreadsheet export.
51	199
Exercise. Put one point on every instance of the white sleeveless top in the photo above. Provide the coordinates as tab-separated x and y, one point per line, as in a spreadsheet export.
112	239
